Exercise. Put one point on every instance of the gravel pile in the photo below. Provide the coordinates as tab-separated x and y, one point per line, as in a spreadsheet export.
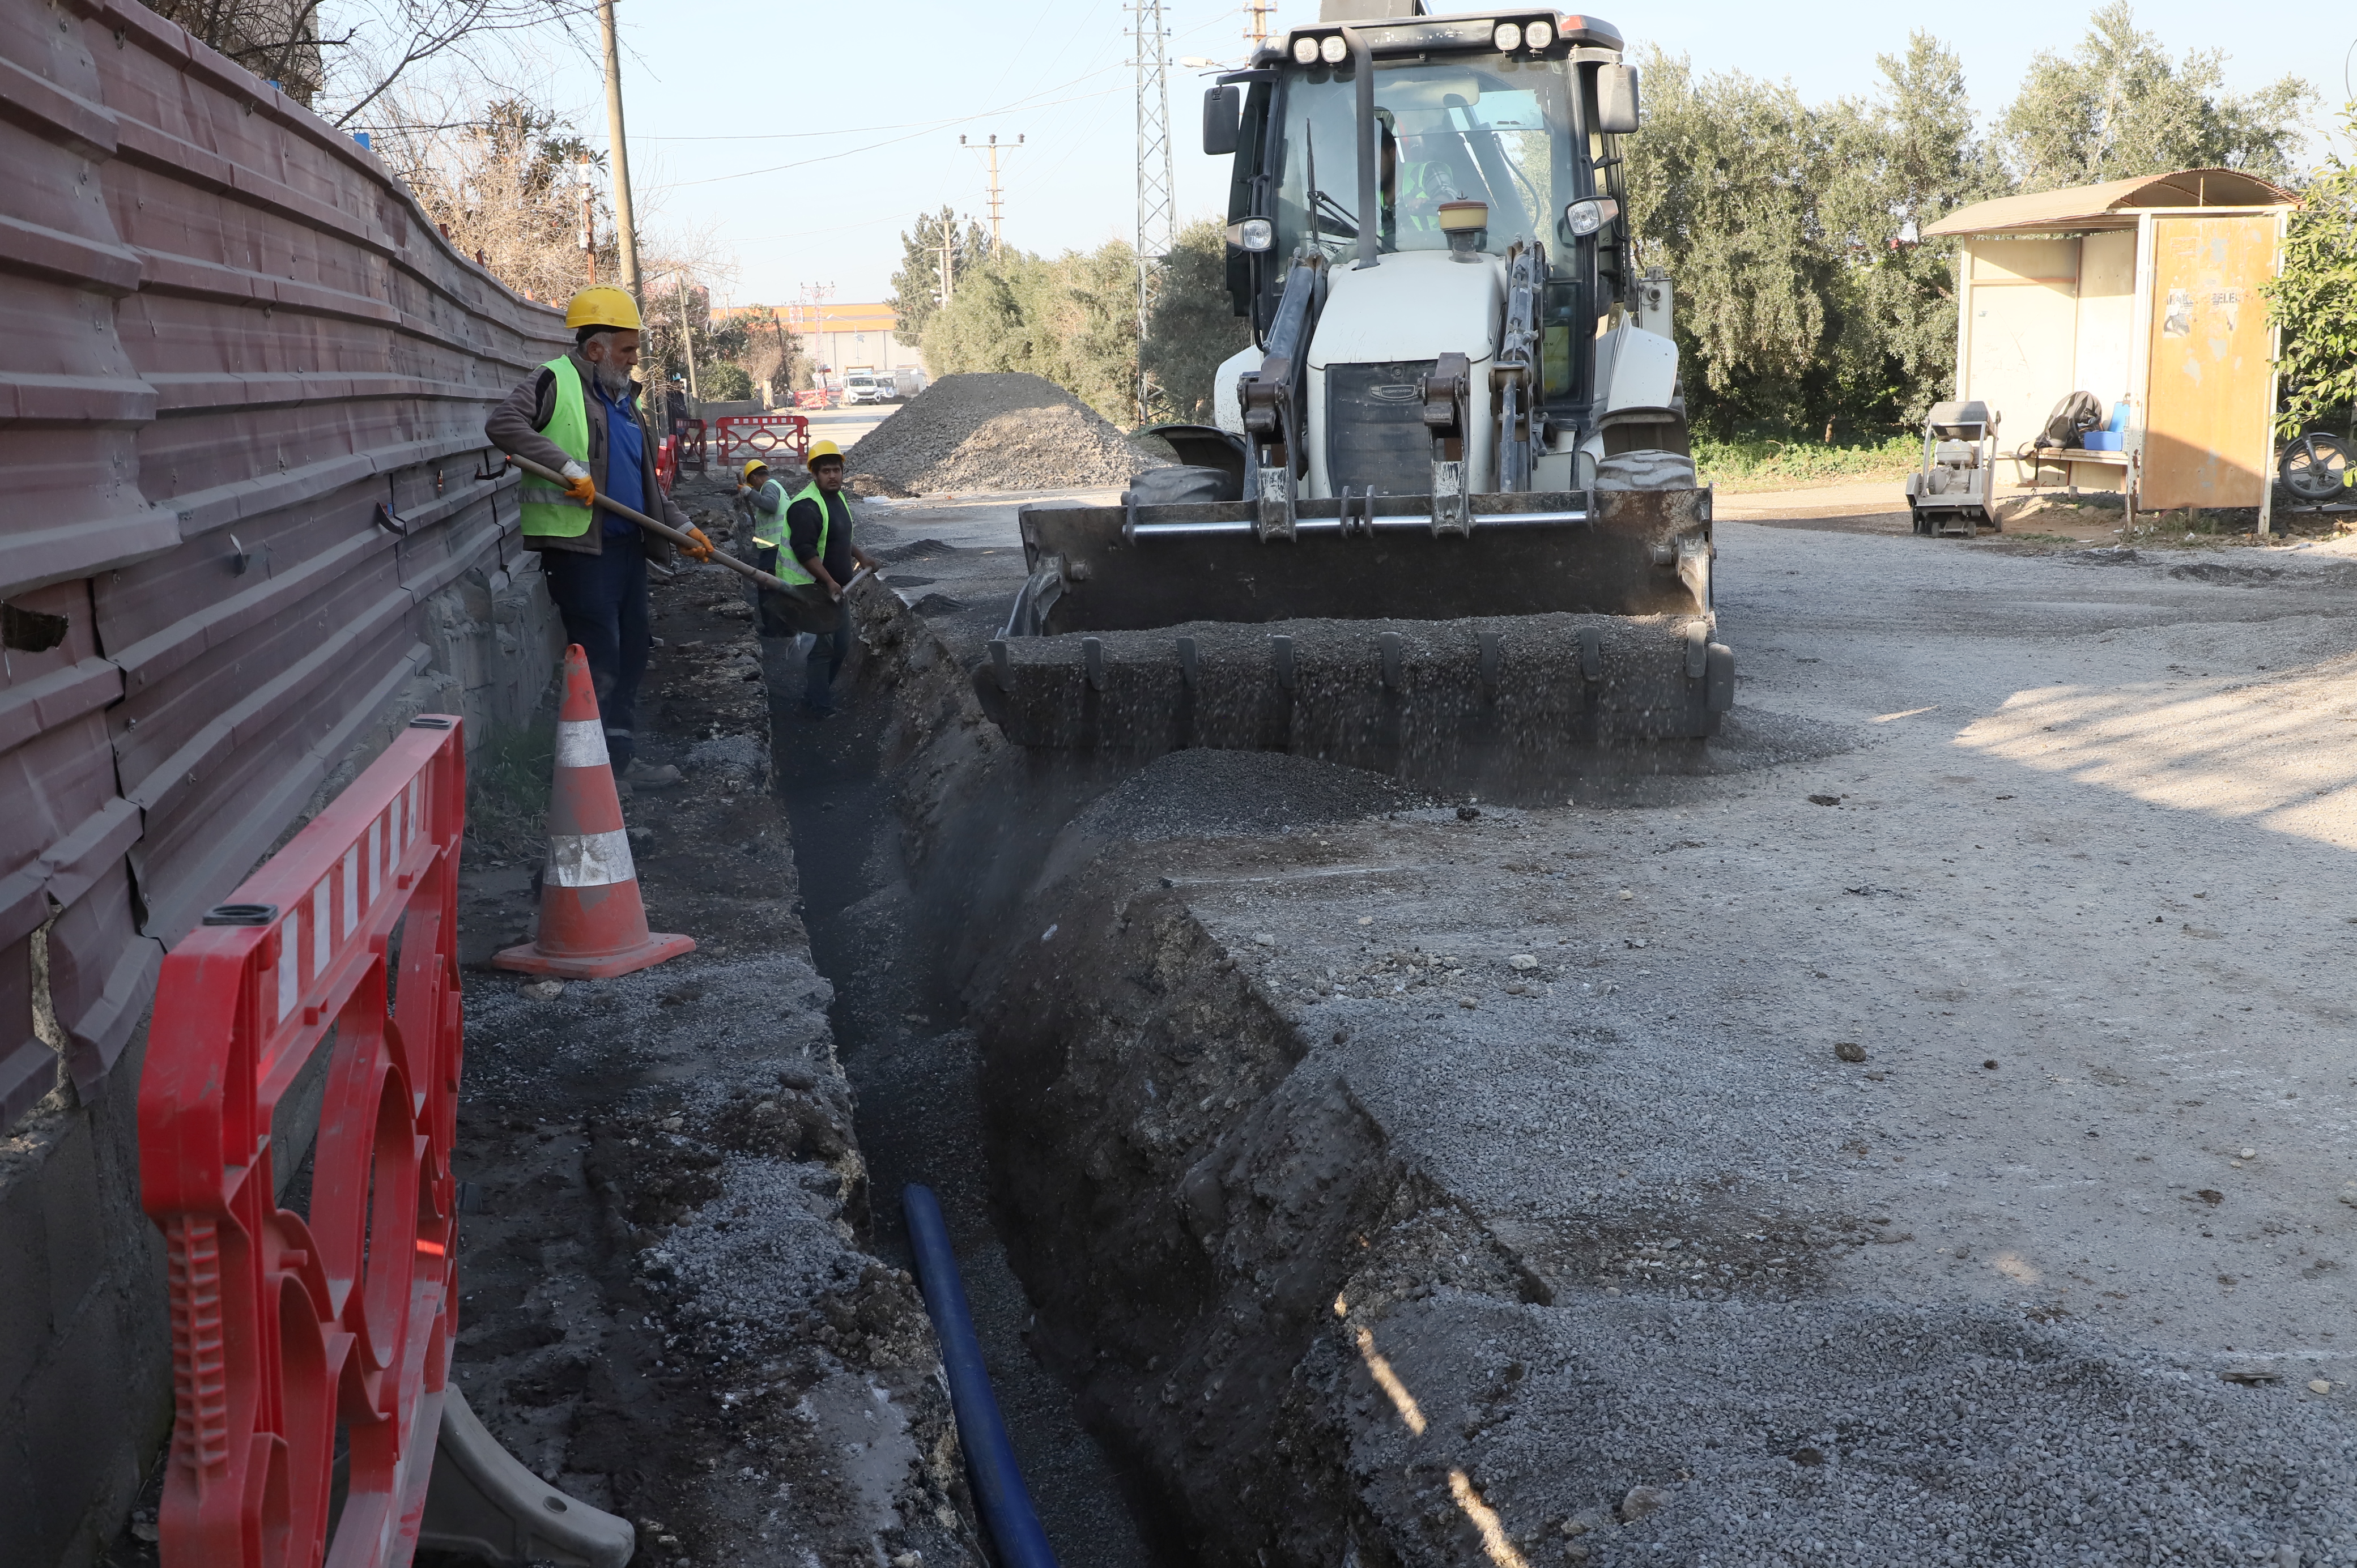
997	432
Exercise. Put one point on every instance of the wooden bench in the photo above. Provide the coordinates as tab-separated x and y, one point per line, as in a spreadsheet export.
2067	456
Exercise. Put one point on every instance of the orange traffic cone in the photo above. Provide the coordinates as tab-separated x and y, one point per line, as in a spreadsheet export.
592	925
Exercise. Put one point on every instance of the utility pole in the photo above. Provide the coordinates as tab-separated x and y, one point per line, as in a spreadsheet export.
626	223
686	338
810	323
1256	16
993	149
588	221
1155	179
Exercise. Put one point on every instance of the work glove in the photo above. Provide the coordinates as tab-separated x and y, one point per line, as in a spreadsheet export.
699	548
578	487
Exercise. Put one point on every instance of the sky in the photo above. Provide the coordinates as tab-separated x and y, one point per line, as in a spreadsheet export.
796	145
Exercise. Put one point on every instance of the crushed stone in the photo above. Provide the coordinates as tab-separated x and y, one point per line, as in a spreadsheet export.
996	430
740	753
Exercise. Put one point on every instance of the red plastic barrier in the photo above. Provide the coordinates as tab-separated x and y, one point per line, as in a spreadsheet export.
666	463
817	397
297	1347
759	434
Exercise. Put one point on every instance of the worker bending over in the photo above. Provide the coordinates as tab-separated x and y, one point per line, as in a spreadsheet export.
820	547
760	510
578	415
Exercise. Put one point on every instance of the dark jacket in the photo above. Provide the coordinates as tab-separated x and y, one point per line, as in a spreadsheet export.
515	425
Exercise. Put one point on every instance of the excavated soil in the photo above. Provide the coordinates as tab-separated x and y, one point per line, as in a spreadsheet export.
1917	1143
1003	431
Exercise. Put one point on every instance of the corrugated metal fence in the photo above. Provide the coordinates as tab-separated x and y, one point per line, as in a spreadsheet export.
226	337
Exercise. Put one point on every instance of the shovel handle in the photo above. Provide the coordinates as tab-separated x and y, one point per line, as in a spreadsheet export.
660	530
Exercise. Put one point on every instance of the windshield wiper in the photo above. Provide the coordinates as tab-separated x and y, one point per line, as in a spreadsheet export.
1338	215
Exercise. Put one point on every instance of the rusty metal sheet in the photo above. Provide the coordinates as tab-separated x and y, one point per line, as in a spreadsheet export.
2210	370
231	336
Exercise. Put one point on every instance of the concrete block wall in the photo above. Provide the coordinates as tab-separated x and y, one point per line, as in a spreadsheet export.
85	1348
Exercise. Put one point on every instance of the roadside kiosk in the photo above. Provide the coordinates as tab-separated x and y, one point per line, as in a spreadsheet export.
2145	292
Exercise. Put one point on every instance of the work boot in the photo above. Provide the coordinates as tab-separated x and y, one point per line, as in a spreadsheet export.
643	775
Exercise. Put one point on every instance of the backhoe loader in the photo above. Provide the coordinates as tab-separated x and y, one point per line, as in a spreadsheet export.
1448	502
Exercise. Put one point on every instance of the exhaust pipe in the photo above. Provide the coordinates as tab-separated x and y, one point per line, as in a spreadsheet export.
1371	217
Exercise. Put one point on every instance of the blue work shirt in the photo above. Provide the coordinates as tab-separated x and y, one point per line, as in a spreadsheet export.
626	464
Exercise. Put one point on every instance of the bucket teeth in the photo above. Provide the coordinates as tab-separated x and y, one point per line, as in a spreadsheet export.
1408	691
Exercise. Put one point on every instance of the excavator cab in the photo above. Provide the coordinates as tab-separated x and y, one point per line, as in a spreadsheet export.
1465	509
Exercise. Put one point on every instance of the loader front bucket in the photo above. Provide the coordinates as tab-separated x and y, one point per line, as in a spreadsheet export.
1560	622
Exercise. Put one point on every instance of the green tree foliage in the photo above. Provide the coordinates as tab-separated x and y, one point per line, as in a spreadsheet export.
1805	300
2116	108
1071	318
726	382
1194	325
772	353
2315	301
1909	158
1723	187
917	286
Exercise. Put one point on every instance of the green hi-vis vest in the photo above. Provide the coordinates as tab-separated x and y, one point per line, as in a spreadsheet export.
547	513
788	569
770	530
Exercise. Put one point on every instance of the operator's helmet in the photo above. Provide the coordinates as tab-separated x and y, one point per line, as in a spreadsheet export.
1427	177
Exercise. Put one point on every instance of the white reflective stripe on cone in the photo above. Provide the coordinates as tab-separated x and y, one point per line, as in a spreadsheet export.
590	860
581	742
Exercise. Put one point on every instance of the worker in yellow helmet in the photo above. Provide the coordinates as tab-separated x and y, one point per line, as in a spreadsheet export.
820	551
578	415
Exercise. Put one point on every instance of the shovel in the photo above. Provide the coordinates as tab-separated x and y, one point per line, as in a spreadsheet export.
662	529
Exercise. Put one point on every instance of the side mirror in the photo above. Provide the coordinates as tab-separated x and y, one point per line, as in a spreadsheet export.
1616	100
1223	114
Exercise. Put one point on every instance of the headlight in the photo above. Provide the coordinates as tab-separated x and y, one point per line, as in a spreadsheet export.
1333	50
1305	51
1508	37
1585	217
1539	34
1252	234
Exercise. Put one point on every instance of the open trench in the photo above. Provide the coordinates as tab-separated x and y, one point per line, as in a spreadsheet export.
915	1069
1345	1175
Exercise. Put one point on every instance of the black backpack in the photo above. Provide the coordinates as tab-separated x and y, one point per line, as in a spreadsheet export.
2072	418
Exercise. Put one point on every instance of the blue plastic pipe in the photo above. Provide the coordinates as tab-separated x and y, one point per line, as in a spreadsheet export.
1004	1501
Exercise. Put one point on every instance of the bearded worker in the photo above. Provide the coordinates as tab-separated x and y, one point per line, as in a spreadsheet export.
578	415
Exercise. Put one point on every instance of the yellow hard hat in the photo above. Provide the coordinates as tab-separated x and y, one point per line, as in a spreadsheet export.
821	449
602	306
756	466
